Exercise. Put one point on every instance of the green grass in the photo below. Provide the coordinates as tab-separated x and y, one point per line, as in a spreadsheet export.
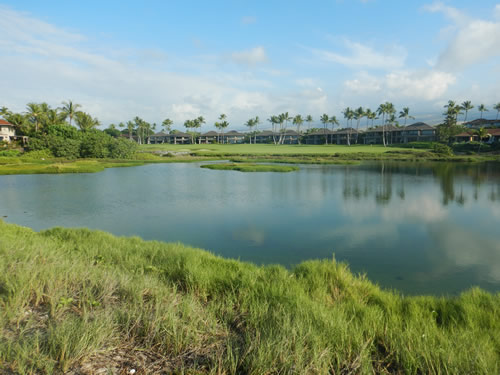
270	149
250	167
79	300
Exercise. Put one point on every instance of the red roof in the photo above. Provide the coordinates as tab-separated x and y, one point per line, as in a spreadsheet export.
3	122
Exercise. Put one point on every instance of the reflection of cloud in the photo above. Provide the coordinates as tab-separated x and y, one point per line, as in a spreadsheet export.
461	247
358	235
253	235
423	208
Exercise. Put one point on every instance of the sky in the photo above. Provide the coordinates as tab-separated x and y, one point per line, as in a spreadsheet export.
184	59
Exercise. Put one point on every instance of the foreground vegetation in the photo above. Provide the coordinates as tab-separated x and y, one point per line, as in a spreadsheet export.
250	167
81	301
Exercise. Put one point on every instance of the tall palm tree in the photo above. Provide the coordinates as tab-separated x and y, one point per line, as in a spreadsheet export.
256	122
467	106
250	123
274	121
333	120
482	108
200	120
34	112
406	114
481	133
497	108
371	116
167	125
325	120
85	121
309	120
4	111
223	124
130	128
297	121
358	115
348	115
69	109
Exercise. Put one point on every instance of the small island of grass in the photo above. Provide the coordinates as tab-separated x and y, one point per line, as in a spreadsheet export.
251	167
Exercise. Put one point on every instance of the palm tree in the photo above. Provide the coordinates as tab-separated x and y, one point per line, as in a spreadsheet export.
130	128
358	115
348	115
482	108
256	122
309	120
188	124
497	108
283	119
34	113
325	120
85	121
406	114
250	123
222	125
333	120
298	120
69	109
481	133
467	106
274	121
371	116
167	124
4	111
200	120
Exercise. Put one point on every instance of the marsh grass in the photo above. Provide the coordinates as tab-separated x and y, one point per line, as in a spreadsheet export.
75	300
250	167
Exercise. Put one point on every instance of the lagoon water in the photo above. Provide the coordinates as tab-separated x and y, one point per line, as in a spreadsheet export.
420	228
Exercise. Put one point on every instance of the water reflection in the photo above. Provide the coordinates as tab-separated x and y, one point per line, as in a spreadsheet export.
416	227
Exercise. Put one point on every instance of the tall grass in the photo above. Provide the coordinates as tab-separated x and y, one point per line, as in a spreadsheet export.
75	300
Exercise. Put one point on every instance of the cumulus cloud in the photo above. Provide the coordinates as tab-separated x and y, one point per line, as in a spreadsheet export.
362	56
250	57
43	62
424	85
472	41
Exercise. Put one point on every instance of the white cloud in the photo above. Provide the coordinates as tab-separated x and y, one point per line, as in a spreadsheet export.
250	57
472	40
427	85
364	56
423	85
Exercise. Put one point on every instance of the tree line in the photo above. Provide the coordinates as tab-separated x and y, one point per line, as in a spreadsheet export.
38	117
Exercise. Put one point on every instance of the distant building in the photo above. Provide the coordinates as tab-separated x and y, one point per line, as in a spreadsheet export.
482	123
8	133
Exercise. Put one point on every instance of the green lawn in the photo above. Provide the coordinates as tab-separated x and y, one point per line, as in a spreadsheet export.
271	149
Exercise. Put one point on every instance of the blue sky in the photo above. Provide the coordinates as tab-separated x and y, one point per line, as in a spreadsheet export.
182	59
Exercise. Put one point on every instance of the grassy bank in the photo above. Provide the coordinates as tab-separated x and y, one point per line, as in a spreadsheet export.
27	165
271	149
76	301
250	167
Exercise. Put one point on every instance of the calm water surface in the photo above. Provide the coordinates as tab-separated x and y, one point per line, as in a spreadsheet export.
418	228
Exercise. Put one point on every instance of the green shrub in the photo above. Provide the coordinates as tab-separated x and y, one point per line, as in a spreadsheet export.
38	154
10	153
121	148
442	149
95	144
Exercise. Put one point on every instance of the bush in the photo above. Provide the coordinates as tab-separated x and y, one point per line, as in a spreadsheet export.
65	148
10	153
38	154
122	148
442	149
471	147
95	144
